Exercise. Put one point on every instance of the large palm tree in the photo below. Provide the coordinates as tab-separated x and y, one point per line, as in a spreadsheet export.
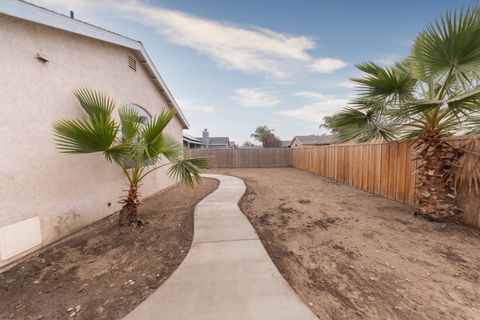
133	145
432	94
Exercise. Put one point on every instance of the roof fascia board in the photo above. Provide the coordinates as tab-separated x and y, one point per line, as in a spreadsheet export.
33	13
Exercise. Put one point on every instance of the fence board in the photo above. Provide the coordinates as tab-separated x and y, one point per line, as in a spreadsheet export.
400	176
385	170
392	170
378	168
358	167
365	166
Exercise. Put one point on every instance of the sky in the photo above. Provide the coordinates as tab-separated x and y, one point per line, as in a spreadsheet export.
235	65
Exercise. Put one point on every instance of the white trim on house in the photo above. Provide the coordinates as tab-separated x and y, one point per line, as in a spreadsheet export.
30	12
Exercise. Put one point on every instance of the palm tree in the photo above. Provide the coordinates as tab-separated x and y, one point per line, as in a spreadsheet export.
136	147
432	94
327	124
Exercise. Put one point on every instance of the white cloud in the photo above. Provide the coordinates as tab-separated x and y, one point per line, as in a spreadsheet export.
254	97
193	106
323	105
327	65
310	94
248	49
232	47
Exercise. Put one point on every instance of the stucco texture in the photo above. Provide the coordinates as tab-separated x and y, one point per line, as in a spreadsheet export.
67	192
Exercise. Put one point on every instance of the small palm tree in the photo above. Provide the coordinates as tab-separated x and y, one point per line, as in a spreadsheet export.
432	94
136	147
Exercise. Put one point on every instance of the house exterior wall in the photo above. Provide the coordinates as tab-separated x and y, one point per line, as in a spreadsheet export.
65	192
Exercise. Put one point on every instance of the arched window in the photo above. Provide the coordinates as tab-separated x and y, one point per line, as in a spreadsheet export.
145	116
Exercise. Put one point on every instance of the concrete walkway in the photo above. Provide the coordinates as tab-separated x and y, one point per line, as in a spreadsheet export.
227	273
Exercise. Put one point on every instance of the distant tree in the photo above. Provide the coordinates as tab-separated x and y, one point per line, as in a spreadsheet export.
272	142
327	124
248	144
266	136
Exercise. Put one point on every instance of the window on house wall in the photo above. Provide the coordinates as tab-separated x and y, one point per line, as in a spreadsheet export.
145	118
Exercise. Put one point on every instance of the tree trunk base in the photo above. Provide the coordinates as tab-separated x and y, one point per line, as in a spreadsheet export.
434	192
128	216
440	218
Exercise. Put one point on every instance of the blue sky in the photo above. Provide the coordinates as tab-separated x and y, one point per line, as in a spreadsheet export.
235	65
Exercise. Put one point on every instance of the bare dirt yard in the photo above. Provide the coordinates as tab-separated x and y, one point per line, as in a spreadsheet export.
353	255
105	271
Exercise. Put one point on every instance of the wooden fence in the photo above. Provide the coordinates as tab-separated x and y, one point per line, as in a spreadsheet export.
245	158
385	169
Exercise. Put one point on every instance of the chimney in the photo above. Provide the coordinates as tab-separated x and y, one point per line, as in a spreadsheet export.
205	138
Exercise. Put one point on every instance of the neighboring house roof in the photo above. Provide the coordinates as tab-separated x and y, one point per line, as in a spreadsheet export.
285	143
30	12
315	139
218	141
192	139
212	141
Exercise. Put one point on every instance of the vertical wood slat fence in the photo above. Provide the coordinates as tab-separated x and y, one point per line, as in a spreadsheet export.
382	168
385	169
245	158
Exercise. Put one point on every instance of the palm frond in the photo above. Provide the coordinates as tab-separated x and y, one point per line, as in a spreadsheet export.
459	104
85	135
361	125
151	133
130	120
448	46
188	171
95	103
168	147
385	83
474	124
120	153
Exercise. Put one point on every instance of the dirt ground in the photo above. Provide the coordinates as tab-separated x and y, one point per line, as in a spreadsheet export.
353	255
105	271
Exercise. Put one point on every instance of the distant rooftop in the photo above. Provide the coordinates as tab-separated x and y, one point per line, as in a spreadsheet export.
316	139
218	141
285	143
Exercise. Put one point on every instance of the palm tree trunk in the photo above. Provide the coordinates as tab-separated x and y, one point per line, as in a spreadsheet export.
434	193
128	213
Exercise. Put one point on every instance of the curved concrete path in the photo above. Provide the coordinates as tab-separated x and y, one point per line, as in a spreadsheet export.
227	273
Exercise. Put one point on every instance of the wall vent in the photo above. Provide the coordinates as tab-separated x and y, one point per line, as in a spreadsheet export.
132	63
19	237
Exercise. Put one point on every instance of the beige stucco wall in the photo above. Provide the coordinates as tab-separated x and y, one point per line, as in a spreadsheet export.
67	192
